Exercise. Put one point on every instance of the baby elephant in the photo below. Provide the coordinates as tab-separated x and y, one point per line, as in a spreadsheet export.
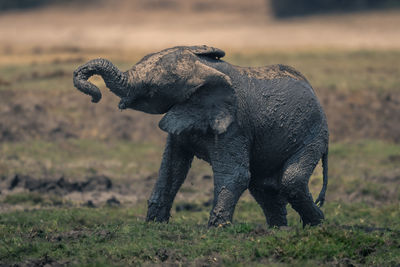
261	128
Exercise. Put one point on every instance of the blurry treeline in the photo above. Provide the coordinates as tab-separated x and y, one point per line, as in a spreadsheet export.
286	8
26	4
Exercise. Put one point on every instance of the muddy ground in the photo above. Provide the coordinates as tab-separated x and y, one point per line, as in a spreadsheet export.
98	190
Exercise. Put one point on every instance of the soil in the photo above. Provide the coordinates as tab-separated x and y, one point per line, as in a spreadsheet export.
44	261
99	190
60	186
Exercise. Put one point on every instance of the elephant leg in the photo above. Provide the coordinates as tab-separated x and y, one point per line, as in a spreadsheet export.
296	174
230	163
273	205
174	168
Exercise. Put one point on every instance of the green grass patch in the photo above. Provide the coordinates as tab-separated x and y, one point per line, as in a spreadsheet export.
119	236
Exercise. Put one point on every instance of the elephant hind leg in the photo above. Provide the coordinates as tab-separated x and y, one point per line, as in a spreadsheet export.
272	203
296	174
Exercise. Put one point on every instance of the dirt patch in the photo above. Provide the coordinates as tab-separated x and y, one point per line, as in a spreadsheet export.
44	261
79	234
60	186
259	231
27	116
113	201
97	191
4	82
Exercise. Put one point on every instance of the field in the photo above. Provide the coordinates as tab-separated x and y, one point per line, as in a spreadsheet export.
74	176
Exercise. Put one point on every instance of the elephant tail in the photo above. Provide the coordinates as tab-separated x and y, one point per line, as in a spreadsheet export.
321	198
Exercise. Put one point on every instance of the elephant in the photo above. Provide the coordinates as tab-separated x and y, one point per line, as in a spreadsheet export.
260	128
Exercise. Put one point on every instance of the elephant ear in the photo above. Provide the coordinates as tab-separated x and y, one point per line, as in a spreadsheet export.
207	51
208	108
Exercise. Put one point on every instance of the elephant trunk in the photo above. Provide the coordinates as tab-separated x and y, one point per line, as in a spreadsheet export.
114	79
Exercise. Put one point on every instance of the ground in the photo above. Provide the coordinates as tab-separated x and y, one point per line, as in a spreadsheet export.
75	176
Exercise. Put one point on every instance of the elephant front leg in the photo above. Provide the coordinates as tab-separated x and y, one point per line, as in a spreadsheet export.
231	179
174	168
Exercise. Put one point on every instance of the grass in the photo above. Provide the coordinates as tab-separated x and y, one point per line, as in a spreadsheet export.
119	236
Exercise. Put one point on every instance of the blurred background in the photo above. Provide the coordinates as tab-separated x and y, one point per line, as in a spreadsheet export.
228	23
54	140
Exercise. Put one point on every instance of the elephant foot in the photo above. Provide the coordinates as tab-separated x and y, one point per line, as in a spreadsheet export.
309	212
222	213
216	221
277	220
124	103
275	211
313	218
158	213
219	218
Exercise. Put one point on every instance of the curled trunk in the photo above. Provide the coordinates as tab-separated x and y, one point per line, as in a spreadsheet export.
114	79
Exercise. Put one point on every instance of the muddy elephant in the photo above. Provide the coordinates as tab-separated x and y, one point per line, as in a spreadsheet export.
260	128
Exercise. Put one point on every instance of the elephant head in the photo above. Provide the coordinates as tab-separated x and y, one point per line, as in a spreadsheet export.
176	81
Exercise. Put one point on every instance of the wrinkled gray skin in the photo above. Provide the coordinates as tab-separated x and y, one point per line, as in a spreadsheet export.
261	129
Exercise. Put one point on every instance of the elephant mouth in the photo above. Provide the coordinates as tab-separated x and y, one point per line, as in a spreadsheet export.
147	105
123	104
